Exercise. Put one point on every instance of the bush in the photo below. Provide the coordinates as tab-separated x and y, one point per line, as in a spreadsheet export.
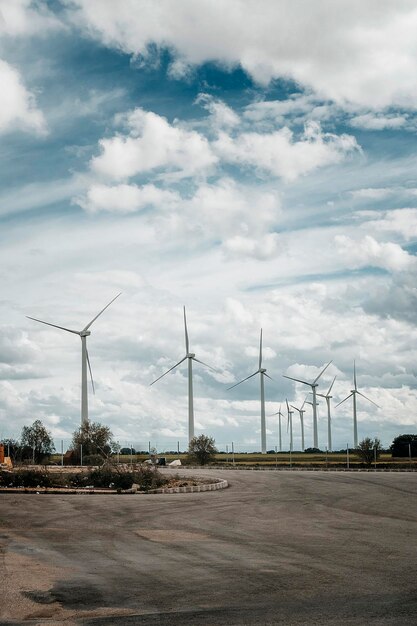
202	449
26	478
312	451
93	459
367	450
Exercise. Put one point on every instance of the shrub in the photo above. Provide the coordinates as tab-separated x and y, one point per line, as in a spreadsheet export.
367	449
202	449
93	459
26	478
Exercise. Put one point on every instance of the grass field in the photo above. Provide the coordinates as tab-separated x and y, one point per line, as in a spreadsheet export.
281	459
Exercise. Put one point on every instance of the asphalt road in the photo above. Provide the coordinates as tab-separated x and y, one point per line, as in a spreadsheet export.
275	548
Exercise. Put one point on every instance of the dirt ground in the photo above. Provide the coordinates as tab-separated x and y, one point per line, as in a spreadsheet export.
275	548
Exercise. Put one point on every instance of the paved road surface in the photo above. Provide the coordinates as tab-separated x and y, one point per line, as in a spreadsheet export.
275	548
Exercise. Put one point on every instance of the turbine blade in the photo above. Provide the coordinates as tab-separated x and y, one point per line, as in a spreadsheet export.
91	373
260	351
205	364
354	375
369	399
76	332
242	381
331	386
102	311
347	398
288	406
297	380
322	372
170	370
320	394
187	343
305	400
294	407
267	375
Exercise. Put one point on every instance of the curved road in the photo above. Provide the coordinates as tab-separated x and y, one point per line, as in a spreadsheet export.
275	548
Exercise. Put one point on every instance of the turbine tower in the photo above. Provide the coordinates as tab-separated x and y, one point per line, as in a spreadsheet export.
262	371
289	424
354	392
190	356
85	359
280	415
301	412
313	386
328	397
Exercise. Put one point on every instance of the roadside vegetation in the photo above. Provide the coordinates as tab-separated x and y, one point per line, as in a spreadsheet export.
143	478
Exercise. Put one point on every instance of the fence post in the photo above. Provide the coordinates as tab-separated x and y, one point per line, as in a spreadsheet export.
347	456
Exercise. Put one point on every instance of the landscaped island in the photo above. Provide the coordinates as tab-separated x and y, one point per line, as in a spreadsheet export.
107	478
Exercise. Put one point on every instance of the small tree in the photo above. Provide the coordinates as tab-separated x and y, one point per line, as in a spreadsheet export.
95	439
202	449
367	449
36	442
403	444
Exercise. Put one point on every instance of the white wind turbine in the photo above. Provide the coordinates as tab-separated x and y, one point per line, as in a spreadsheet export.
328	397
190	356
289	424
354	392
313	386
85	360
262	371
280	415
301	412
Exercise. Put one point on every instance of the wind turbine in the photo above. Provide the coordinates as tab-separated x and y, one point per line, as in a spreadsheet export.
262	371
354	392
289	424
301	412
328	397
190	356
280	415
313	386
85	360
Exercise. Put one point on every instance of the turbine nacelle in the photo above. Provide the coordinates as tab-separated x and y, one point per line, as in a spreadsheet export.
262	370
190	355
85	333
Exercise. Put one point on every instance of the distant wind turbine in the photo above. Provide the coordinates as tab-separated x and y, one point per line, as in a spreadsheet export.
191	357
85	360
301	412
279	413
289	424
262	371
328	397
354	392
313	386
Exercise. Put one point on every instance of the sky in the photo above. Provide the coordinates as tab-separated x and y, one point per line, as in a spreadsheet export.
254	162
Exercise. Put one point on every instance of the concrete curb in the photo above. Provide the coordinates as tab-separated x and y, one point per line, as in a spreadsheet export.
221	484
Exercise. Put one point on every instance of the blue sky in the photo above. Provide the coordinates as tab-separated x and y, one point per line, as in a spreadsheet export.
255	162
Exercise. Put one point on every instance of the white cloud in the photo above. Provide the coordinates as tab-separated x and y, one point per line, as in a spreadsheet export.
125	198
399	221
369	252
222	116
153	143
372	121
17	105
362	53
265	247
24	17
372	193
280	154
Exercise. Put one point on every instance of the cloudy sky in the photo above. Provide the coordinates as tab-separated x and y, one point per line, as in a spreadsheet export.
253	161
